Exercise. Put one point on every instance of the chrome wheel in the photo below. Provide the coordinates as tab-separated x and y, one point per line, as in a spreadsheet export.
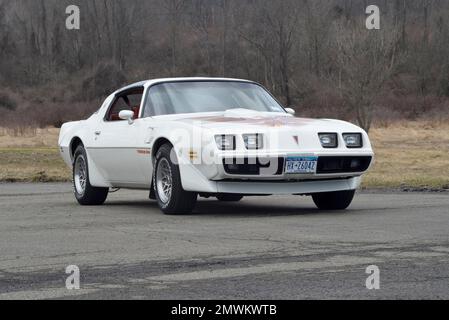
80	175
164	181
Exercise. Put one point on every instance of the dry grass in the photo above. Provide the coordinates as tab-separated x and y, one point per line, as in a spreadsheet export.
28	154
408	154
25	137
32	165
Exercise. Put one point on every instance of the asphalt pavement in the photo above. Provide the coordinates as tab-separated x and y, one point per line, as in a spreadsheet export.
278	247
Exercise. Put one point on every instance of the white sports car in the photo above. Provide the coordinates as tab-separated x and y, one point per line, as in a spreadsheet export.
225	138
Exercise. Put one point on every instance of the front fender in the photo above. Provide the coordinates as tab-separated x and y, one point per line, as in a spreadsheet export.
182	139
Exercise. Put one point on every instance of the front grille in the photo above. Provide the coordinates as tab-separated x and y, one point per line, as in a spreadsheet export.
345	164
275	166
254	166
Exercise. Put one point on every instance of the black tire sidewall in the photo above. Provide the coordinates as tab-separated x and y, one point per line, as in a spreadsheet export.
229	197
92	196
181	201
164	153
338	200
80	152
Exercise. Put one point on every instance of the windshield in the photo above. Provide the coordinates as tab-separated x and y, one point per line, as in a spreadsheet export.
193	97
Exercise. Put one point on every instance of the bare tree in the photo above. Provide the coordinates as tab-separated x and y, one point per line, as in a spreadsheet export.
174	10
276	39
309	53
202	24
318	21
368	59
4	32
225	8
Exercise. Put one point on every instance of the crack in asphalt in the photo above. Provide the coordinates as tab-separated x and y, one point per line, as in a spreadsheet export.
172	272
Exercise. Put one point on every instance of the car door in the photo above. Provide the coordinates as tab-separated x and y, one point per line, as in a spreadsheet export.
117	148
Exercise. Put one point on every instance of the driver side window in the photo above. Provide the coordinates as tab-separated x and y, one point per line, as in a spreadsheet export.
129	100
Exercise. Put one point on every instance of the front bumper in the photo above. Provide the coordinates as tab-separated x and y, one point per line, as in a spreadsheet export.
286	187
216	178
271	166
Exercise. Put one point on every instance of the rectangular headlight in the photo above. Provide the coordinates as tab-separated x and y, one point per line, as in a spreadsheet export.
225	142
253	141
328	140
353	140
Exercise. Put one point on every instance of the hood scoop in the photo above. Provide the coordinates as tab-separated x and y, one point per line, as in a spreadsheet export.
249	114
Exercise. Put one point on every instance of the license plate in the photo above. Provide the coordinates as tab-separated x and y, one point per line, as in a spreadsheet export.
301	165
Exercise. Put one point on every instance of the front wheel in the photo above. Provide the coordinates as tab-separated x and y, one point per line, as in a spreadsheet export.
337	200
85	193
171	197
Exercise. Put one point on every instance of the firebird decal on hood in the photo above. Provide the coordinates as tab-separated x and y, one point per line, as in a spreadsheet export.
276	121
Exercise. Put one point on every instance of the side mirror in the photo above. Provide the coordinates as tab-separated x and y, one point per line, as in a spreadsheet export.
290	111
127	115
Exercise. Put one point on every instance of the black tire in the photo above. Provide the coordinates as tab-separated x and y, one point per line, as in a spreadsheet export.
225	197
338	200
178	201
89	195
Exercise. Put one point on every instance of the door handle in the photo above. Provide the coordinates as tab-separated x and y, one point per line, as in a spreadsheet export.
97	133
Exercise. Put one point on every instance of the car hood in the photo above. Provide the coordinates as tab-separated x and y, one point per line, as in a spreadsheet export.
244	120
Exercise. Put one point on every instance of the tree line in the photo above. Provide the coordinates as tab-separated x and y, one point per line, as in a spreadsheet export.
314	55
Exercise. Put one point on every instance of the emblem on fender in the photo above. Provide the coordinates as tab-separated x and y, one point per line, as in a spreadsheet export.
296	138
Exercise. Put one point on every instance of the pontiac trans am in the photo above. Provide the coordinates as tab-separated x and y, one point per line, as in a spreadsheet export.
225	138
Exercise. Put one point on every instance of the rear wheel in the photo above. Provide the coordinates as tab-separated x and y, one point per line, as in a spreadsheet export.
338	200
171	197
229	197
85	193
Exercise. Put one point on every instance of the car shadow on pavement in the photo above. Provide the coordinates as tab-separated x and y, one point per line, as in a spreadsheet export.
251	208
212	207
